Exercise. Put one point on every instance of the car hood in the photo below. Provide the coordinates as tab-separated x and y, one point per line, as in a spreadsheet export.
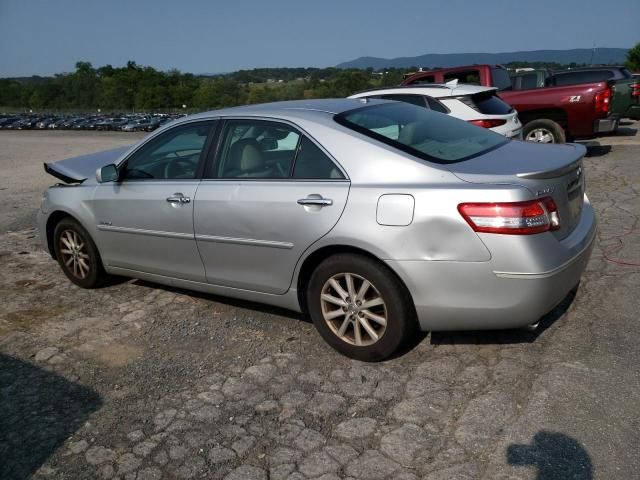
78	169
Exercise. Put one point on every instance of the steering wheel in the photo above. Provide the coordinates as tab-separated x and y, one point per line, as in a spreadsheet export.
176	167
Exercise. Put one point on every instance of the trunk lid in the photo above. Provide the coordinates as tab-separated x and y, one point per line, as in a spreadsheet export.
78	169
545	170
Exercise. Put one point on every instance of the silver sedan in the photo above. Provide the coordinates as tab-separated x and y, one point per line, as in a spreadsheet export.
376	218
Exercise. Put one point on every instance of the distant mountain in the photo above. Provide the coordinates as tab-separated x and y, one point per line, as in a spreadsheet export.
430	60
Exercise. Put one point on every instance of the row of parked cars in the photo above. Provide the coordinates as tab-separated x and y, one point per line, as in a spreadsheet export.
125	123
553	107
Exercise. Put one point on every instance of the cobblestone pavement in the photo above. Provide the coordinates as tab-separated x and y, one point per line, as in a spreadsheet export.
139	381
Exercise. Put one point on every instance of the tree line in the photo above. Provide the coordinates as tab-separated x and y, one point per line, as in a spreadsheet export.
135	87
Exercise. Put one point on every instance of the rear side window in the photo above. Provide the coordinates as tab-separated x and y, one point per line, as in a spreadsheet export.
420	132
424	80
313	164
436	105
574	78
419	100
501	79
399	97
526	81
469	76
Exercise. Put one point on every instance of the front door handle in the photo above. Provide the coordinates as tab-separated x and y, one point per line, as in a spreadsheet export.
178	198
315	200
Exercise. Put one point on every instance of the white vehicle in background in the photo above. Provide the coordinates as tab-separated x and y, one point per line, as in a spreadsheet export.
472	103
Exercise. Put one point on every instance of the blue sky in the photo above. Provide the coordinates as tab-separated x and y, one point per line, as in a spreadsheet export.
44	37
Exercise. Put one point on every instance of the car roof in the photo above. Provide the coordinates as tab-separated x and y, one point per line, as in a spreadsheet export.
435	90
589	69
285	109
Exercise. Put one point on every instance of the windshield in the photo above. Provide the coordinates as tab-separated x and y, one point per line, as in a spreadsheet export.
421	132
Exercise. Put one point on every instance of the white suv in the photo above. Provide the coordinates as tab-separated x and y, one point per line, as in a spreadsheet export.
475	104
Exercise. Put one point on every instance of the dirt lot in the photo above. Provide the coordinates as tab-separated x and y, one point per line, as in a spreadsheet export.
138	381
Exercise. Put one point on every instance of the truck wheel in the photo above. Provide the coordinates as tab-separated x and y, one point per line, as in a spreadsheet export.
543	131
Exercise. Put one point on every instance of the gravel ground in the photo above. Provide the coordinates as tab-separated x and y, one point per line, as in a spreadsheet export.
139	381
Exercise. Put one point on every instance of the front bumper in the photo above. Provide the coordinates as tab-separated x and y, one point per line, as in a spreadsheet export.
41	223
474	296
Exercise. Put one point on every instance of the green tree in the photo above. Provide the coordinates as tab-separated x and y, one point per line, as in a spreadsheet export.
633	59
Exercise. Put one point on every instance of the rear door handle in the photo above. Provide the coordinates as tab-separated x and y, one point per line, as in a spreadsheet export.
178	198
315	200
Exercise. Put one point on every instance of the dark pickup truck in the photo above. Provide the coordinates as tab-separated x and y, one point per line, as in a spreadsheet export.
549	114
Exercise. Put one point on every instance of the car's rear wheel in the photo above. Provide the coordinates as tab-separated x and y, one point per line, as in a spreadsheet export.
543	131
359	307
77	254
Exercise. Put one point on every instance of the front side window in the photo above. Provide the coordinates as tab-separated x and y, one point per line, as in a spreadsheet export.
172	155
420	132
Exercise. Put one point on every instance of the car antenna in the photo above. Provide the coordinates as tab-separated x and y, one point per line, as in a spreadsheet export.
452	83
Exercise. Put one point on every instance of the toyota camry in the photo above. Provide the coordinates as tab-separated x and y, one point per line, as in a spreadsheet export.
376	218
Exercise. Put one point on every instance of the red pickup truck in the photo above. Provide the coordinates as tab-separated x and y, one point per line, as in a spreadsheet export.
550	114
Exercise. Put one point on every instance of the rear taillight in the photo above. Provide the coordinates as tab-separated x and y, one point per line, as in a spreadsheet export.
512	218
490	123
601	101
635	90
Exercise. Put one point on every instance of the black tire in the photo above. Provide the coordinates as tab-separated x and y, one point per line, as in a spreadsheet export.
397	307
550	127
85	267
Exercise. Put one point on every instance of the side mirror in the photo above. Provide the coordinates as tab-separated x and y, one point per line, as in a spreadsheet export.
108	173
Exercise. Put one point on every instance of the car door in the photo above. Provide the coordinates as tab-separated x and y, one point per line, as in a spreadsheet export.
145	219
271	193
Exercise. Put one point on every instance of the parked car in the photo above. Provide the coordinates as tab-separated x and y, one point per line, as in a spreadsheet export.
553	114
531	78
486	75
625	89
136	125
376	218
474	104
550	114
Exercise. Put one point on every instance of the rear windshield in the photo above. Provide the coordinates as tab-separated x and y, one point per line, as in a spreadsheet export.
421	132
490	104
501	79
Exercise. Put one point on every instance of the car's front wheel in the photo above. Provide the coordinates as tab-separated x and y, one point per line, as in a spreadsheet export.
359	307
77	254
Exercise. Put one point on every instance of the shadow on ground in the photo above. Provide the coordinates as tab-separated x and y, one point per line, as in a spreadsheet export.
232	302
39	410
500	337
594	149
555	456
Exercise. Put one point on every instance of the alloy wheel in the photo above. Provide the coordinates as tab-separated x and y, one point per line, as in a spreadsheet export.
74	254
354	309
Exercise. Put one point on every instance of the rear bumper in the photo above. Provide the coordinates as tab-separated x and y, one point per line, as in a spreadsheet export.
474	296
606	125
